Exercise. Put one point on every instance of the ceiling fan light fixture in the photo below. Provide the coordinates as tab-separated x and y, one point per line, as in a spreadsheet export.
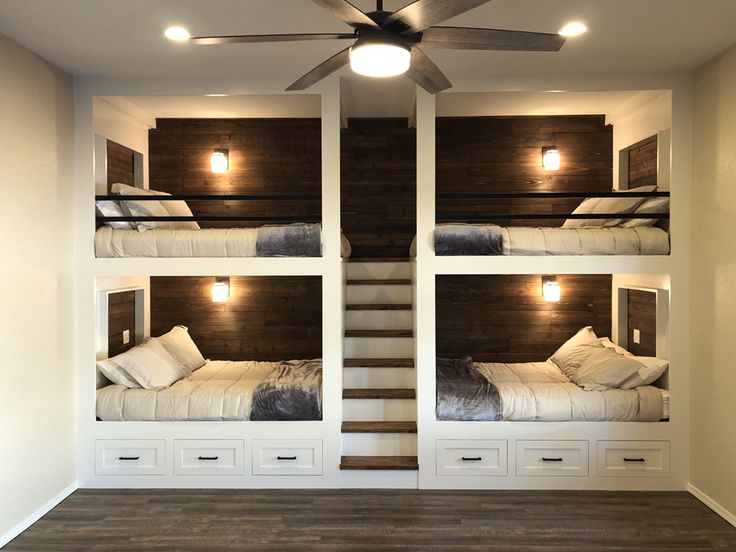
379	58
177	34
574	28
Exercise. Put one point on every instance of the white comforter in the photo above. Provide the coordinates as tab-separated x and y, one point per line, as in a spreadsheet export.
539	391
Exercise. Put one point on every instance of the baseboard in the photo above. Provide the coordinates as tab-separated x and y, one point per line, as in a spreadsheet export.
38	514
712	504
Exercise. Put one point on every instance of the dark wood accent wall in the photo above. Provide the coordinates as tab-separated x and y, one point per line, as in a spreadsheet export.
504	318
378	186
120	164
643	163
120	317
265	318
504	154
642	315
267	156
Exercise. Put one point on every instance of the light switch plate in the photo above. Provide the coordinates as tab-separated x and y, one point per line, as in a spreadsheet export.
126	337
637	336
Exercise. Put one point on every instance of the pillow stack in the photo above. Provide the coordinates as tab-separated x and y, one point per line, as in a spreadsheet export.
619	205
155	364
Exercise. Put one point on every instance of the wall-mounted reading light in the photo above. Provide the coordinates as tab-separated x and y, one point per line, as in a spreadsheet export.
550	289
551	159
220	161
221	290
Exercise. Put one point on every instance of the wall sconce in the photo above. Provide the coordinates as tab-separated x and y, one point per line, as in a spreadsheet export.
221	290
550	289
220	161
551	159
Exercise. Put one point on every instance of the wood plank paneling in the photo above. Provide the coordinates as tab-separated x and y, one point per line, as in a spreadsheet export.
504	318
642	315
120	164
120	317
504	154
267	156
265	318
643	163
378	186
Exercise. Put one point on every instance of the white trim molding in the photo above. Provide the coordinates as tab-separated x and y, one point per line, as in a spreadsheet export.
712	504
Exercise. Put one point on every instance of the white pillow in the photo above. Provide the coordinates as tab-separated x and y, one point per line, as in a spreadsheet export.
585	208
115	373
576	350
179	344
113	209
611	345
609	205
155	208
651	370
150	365
605	369
655	205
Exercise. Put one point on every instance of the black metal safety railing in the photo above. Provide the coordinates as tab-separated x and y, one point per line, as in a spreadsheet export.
453	217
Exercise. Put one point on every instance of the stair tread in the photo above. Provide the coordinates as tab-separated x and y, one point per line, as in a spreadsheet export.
380	282
378	363
379	333
378	306
379	393
379	427
379	260
379	463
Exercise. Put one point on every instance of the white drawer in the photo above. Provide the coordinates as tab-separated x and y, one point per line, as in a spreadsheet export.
208	457
130	457
471	457
287	457
634	458
552	458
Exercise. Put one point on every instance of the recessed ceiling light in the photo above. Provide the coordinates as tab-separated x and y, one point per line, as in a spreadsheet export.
177	34
576	28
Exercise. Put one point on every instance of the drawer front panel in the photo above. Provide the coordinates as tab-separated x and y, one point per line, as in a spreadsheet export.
472	457
287	457
130	457
208	457
634	458
552	458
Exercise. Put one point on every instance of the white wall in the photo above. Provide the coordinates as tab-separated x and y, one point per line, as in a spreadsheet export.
37	316
713	446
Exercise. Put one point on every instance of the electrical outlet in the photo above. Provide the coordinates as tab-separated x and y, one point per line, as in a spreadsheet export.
126	337
637	336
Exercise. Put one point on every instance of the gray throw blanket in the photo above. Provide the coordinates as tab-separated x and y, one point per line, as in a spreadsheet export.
463	394
468	239
292	392
291	240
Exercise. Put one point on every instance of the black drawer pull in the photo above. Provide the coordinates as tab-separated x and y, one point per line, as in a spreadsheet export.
129	457
640	460
545	459
208	458
472	458
286	458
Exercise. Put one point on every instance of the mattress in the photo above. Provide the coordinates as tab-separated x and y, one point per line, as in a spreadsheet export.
539	391
223	390
518	240
206	242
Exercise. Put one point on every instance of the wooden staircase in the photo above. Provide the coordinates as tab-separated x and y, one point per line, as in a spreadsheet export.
378	386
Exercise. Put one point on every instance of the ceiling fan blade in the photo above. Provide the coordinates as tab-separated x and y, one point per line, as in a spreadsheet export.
465	38
345	11
323	70
424	13
426	74
235	39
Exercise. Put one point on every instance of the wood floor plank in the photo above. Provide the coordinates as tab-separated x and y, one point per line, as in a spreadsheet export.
379	427
379	463
301	520
379	333
378	363
383	393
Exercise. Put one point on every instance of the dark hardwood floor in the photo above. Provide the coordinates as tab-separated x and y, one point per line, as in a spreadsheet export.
324	520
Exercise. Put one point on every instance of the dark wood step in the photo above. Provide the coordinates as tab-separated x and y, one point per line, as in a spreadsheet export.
381	282
379	260
379	393
379	427
378	306
379	463
378	363
379	333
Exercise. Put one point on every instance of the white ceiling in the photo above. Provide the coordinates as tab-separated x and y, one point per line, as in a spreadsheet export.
122	38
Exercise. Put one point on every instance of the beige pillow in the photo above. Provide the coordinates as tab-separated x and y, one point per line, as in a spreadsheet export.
115	373
585	208
651	370
605	369
611	345
155	209
150	365
608	205
652	205
576	350
180	345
